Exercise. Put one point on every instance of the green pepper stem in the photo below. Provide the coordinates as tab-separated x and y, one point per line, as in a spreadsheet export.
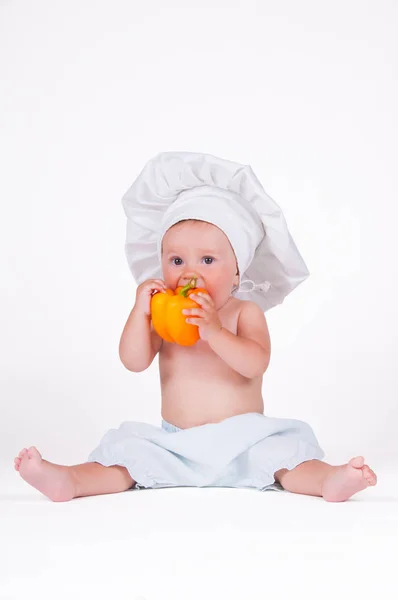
189	286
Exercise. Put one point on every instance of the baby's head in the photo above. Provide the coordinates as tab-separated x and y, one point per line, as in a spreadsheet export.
198	248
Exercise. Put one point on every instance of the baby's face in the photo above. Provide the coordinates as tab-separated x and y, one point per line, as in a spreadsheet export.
203	250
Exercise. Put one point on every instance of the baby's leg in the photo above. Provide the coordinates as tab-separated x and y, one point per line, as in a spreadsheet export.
61	483
333	483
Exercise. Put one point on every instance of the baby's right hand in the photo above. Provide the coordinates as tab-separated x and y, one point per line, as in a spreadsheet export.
145	292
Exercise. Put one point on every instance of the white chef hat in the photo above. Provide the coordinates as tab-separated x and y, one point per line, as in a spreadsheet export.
174	186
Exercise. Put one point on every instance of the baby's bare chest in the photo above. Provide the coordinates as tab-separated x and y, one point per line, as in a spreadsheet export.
191	363
199	387
199	358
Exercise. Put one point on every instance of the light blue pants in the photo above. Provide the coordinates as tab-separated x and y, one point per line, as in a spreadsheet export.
240	451
169	427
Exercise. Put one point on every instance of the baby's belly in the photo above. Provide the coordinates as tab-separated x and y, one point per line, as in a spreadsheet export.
197	401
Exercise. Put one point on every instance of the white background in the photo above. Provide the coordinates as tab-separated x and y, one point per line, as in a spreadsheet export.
305	92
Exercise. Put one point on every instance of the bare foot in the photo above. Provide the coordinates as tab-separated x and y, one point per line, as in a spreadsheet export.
54	481
347	480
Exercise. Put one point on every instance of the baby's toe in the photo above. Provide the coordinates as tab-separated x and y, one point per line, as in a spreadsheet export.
357	462
17	462
369	475
22	453
33	452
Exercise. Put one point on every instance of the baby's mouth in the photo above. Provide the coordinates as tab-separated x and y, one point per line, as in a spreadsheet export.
198	282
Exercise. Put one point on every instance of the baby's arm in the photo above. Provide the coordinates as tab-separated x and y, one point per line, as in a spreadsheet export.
249	351
139	342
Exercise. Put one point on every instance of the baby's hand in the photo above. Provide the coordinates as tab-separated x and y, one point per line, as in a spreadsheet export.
205	317
145	292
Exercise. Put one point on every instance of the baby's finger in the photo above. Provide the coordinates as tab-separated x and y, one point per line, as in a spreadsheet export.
193	321
194	311
160	283
199	299
206	298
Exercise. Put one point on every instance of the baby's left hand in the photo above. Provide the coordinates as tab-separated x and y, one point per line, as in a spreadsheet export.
206	317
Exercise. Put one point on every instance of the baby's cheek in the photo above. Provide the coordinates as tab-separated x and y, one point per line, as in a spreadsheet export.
225	285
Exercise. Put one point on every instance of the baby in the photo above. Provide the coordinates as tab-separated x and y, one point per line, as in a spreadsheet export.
214	431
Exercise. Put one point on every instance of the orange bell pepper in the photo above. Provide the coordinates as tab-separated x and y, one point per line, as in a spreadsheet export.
167	317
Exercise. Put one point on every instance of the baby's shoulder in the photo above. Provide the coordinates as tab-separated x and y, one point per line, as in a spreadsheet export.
246	307
251	314
232	308
237	313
